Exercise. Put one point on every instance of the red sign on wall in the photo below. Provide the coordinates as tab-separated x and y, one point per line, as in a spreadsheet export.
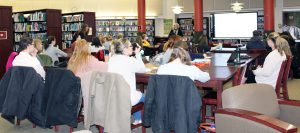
3	35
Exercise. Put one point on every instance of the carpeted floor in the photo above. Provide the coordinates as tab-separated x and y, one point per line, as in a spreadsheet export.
26	126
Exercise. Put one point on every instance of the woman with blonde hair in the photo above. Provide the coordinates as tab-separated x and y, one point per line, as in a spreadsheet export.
180	64
268	73
121	63
82	61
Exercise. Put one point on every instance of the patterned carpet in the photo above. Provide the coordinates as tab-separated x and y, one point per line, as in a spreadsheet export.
26	126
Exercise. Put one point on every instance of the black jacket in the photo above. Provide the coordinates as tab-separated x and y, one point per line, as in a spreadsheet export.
179	33
255	43
62	97
18	88
172	103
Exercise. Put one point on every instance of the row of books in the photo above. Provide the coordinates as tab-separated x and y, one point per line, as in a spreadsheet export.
121	23
67	36
73	18
71	26
36	16
42	36
27	27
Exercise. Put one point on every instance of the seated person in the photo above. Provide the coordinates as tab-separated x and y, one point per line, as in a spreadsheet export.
255	42
268	73
52	51
44	59
149	50
121	63
203	46
180	64
96	45
82	61
184	45
27	56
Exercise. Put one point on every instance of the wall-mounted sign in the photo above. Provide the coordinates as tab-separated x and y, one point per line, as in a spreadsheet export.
168	23
3	35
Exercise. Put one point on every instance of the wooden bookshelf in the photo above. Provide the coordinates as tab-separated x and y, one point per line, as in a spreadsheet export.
127	27
72	22
37	24
6	45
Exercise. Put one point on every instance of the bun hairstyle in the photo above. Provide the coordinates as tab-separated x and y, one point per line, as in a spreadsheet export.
182	54
117	47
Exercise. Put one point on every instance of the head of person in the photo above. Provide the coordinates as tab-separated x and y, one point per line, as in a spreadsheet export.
96	42
51	40
109	38
287	35
182	55
120	36
85	28
176	26
279	43
79	56
181	44
26	45
123	47
144	37
38	45
256	33
203	40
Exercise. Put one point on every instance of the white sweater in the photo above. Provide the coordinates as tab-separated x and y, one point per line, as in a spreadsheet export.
127	67
54	53
176	68
268	74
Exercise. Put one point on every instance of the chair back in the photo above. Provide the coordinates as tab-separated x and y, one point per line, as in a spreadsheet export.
285	78
279	78
259	98
257	51
10	60
239	77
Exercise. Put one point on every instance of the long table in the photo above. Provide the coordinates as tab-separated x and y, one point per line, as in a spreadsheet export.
219	72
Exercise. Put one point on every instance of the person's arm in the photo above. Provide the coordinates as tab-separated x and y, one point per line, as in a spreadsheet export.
270	64
61	53
200	75
139	65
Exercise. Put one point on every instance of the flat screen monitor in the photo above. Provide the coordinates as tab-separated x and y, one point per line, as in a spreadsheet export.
235	25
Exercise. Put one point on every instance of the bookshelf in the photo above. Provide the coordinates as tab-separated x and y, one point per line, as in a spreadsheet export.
127	27
6	40
72	22
260	23
37	24
187	27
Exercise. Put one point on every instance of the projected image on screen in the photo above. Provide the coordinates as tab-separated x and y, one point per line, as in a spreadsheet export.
235	25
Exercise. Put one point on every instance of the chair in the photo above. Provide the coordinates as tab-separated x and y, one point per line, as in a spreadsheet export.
211	97
280	78
285	78
10	60
254	108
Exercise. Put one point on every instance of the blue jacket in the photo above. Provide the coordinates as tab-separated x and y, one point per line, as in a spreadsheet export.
172	103
255	43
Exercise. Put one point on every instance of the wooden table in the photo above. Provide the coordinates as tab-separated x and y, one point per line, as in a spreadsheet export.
219	72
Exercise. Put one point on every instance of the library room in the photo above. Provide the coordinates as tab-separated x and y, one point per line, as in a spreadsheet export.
150	66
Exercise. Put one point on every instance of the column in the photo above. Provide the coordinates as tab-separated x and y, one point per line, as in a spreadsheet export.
269	16
198	20
141	17
278	15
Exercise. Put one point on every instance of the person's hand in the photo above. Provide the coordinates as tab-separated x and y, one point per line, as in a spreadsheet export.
156	46
137	49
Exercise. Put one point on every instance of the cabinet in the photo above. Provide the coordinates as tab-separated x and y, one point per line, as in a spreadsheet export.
37	24
6	43
187	27
126	27
72	22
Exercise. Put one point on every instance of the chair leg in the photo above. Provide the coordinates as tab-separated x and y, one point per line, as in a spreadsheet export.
56	128
71	129
33	125
143	128
203	110
18	122
100	129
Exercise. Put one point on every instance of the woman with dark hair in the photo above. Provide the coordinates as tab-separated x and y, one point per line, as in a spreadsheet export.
180	64
53	51
96	45
82	33
203	46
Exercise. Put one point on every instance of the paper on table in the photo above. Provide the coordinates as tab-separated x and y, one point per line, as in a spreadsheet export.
90	31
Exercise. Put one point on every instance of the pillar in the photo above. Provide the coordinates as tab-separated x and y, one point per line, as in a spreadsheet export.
141	17
268	16
198	20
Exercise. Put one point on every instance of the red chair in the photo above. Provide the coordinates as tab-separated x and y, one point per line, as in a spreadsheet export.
284	95
211	98
280	78
136	108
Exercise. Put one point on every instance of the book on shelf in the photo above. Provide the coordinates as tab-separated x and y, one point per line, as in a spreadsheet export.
73	18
